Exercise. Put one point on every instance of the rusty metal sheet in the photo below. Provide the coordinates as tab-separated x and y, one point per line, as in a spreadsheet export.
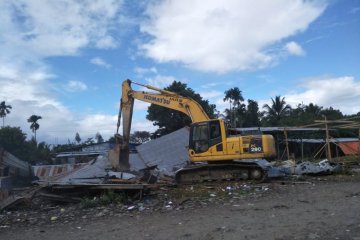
47	172
350	148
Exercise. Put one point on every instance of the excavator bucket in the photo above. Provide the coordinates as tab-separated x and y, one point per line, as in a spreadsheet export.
119	156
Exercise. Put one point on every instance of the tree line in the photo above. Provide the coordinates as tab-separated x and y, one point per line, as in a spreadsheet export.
33	119
239	114
14	140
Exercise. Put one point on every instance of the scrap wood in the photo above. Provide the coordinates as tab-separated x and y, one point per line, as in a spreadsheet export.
160	186
11	201
117	180
4	194
59	198
183	200
15	200
101	186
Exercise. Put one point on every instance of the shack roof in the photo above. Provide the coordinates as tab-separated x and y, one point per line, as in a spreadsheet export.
276	129
315	140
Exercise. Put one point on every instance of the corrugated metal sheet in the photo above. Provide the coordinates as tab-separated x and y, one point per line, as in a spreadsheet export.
350	148
168	152
5	183
276	129
314	140
16	166
47	172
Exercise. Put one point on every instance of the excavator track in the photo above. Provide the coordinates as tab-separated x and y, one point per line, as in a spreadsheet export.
218	172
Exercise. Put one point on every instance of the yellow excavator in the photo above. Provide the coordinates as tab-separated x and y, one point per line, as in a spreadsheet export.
213	154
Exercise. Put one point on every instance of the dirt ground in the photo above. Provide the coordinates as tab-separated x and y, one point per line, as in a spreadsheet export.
317	208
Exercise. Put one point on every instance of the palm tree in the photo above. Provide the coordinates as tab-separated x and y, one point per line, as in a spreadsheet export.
236	108
34	125
278	109
4	110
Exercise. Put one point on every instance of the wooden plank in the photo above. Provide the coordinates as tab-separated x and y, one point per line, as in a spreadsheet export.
101	186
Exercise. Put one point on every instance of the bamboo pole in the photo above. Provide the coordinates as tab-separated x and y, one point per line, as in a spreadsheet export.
302	149
328	140
287	144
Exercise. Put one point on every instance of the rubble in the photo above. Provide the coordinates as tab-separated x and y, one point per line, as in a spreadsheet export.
43	211
147	187
323	167
290	167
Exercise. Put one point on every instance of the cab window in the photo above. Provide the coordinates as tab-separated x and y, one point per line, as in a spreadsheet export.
200	138
200	133
214	130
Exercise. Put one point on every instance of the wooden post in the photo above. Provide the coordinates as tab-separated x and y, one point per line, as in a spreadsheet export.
328	141
277	145
287	144
302	149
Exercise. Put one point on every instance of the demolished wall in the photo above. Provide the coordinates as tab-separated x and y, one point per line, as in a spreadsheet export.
168	152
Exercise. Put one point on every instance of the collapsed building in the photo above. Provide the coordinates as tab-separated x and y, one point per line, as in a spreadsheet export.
12	170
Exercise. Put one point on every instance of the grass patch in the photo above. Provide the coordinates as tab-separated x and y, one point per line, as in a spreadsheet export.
106	198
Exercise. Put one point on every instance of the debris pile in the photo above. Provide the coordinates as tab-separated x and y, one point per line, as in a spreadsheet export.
108	204
290	167
151	174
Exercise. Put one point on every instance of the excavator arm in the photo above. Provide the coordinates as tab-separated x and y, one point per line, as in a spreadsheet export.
119	156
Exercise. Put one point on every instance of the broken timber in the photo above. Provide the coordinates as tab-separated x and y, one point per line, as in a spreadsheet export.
102	186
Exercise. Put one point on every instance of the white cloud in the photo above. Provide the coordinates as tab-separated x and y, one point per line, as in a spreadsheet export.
142	71
36	29
341	93
221	36
143	125
19	83
102	123
211	94
220	104
160	81
355	10
74	86
100	62
294	48
140	105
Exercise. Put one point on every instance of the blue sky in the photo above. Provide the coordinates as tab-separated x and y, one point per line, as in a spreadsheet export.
65	60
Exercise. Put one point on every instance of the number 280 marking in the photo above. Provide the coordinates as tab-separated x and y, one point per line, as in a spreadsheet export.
256	149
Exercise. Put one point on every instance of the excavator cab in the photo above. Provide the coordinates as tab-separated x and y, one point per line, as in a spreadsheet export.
204	135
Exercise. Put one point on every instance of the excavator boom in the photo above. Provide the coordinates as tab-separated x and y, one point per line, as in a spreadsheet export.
119	156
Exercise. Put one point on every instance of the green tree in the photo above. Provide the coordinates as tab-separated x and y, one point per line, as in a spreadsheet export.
44	152
170	120
278	110
252	114
4	110
332	114
77	138
99	138
140	136
303	114
13	140
89	141
307	114
34	126
235	114
38	153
